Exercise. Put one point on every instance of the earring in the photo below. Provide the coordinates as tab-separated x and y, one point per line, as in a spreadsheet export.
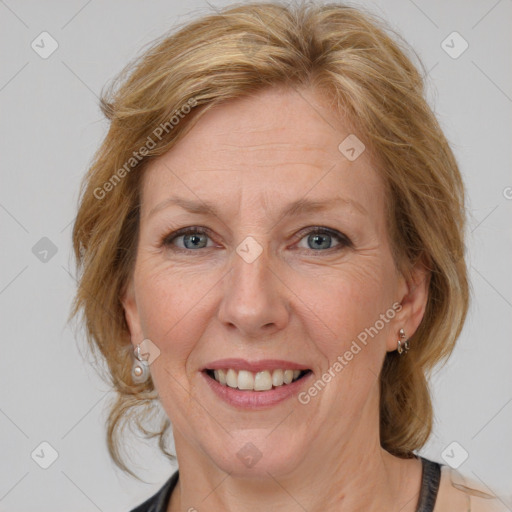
140	368
403	344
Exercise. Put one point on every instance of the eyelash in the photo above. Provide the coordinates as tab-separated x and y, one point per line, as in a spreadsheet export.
343	240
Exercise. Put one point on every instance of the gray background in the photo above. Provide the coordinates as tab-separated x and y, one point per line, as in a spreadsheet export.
50	126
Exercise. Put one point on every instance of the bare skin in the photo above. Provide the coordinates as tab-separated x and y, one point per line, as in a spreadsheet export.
295	302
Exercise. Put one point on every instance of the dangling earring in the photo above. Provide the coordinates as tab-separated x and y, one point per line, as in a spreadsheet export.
140	368
403	344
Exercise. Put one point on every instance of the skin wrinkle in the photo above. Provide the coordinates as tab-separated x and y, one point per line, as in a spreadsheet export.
298	305
297	208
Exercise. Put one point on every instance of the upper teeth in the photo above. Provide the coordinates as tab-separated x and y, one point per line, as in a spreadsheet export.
259	381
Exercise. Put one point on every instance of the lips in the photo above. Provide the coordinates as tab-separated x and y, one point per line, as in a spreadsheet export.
251	400
255	366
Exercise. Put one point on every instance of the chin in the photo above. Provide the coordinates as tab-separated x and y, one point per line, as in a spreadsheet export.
258	454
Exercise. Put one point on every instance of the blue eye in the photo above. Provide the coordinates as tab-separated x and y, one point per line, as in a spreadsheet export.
193	238
318	239
321	238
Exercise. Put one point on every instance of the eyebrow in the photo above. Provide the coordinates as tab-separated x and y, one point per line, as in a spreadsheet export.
300	206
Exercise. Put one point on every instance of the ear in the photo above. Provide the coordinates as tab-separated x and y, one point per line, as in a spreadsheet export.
131	313
413	297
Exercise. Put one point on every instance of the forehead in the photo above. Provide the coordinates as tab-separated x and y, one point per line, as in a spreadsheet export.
277	145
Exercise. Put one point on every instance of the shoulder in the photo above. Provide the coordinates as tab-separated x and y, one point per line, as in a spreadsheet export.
159	501
460	494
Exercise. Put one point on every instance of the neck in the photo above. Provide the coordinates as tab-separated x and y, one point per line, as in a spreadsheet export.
353	474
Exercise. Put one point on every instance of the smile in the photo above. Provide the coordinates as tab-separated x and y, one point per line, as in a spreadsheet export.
255	381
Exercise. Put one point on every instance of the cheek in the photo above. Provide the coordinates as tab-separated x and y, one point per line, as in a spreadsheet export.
346	301
333	304
173	307
173	311
349	331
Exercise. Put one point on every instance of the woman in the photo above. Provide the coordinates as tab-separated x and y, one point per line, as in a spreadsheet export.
271	249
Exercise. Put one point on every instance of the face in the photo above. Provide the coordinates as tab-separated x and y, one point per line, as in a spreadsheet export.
263	250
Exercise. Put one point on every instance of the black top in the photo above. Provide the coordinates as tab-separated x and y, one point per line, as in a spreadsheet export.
431	476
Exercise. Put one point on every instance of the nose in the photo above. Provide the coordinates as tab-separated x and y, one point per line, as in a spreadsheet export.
255	298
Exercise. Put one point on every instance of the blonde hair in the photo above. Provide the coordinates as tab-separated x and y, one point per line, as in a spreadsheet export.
362	73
